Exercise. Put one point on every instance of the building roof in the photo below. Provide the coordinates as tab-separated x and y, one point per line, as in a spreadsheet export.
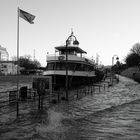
2	48
7	61
77	49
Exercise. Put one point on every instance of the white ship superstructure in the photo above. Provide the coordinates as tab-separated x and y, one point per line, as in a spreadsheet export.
80	69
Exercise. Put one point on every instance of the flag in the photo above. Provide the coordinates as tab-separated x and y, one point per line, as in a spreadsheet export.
26	16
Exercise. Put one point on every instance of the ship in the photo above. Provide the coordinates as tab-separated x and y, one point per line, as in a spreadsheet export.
69	66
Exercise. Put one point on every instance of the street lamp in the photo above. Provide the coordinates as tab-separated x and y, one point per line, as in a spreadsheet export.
117	58
75	42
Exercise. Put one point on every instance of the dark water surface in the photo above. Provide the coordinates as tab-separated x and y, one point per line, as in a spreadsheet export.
113	114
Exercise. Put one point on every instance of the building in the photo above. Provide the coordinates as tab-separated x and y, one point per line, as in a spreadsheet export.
8	68
4	56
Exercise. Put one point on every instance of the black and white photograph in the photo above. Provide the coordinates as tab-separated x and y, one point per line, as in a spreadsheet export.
69	70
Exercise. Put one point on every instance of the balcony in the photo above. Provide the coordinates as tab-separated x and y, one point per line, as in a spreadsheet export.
52	57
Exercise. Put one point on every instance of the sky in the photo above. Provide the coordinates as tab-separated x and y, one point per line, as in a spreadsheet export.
103	27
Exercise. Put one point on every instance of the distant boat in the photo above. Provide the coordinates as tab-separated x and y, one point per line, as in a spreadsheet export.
80	70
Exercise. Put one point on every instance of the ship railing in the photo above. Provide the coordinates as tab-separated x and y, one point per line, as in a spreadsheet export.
73	57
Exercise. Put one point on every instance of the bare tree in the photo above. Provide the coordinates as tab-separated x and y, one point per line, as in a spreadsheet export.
136	49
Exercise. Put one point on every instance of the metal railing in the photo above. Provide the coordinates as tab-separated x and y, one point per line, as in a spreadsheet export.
33	101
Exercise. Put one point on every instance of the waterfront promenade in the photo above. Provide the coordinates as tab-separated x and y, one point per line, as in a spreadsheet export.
110	114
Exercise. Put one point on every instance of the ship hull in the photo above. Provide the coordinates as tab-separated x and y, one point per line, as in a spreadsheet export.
59	81
75	78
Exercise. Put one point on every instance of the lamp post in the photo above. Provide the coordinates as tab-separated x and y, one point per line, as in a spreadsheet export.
67	69
73	42
117	58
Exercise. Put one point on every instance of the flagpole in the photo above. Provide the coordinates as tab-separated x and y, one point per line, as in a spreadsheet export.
17	61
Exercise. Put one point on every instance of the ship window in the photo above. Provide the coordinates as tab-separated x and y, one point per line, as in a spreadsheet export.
50	66
60	66
71	52
72	66
86	68
82	67
78	68
63	66
91	68
75	53
62	52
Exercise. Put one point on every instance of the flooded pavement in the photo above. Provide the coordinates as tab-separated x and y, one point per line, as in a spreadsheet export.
110	114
